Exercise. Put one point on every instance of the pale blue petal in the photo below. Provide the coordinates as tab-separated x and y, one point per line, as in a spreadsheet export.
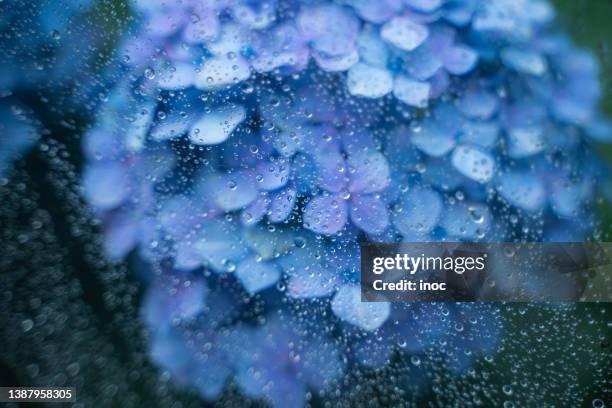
330	29
376	12
215	127
347	305
368	81
372	49
234	191
222	71
255	212
368	172
336	63
466	221
325	214
479	133
432	139
522	190
425	6
527	62
179	76
369	213
282	204
411	92
473	163
256	276
459	60
525	141
418	212
404	33
272	175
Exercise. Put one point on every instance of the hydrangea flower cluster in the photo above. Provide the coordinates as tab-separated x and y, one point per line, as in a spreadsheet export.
252	145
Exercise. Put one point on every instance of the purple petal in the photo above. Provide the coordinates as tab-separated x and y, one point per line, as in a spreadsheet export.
281	47
473	163
459	60
479	133
331	170
404	33
372	49
369	316
120	237
369	213
255	14
413	93
368	172
256	276
325	214
282	204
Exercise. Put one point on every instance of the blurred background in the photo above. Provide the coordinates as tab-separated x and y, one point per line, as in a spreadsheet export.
70	318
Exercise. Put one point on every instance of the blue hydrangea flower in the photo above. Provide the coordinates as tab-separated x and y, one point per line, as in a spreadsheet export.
251	146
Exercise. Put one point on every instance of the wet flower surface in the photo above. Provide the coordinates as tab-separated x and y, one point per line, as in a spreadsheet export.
247	149
257	143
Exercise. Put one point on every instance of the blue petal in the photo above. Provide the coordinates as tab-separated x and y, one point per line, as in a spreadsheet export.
368	81
372	50
219	72
369	213
466	221
459	59
281	205
432	139
376	12
525	141
179	76
527	62
347	305
256	276
413	93
425	6
272	175
522	190
473	163
215	127
255	212
478	103
234	191
368	172
404	33
325	214
418	212
336	63
106	184
479	133
330	29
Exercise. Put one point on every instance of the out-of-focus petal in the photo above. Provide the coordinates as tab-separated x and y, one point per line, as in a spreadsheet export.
106	184
522	190
370	82
404	33
368	172
256	276
459	60
215	127
281	205
235	191
414	93
418	211
473	163
369	213
218	72
325	214
347	305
